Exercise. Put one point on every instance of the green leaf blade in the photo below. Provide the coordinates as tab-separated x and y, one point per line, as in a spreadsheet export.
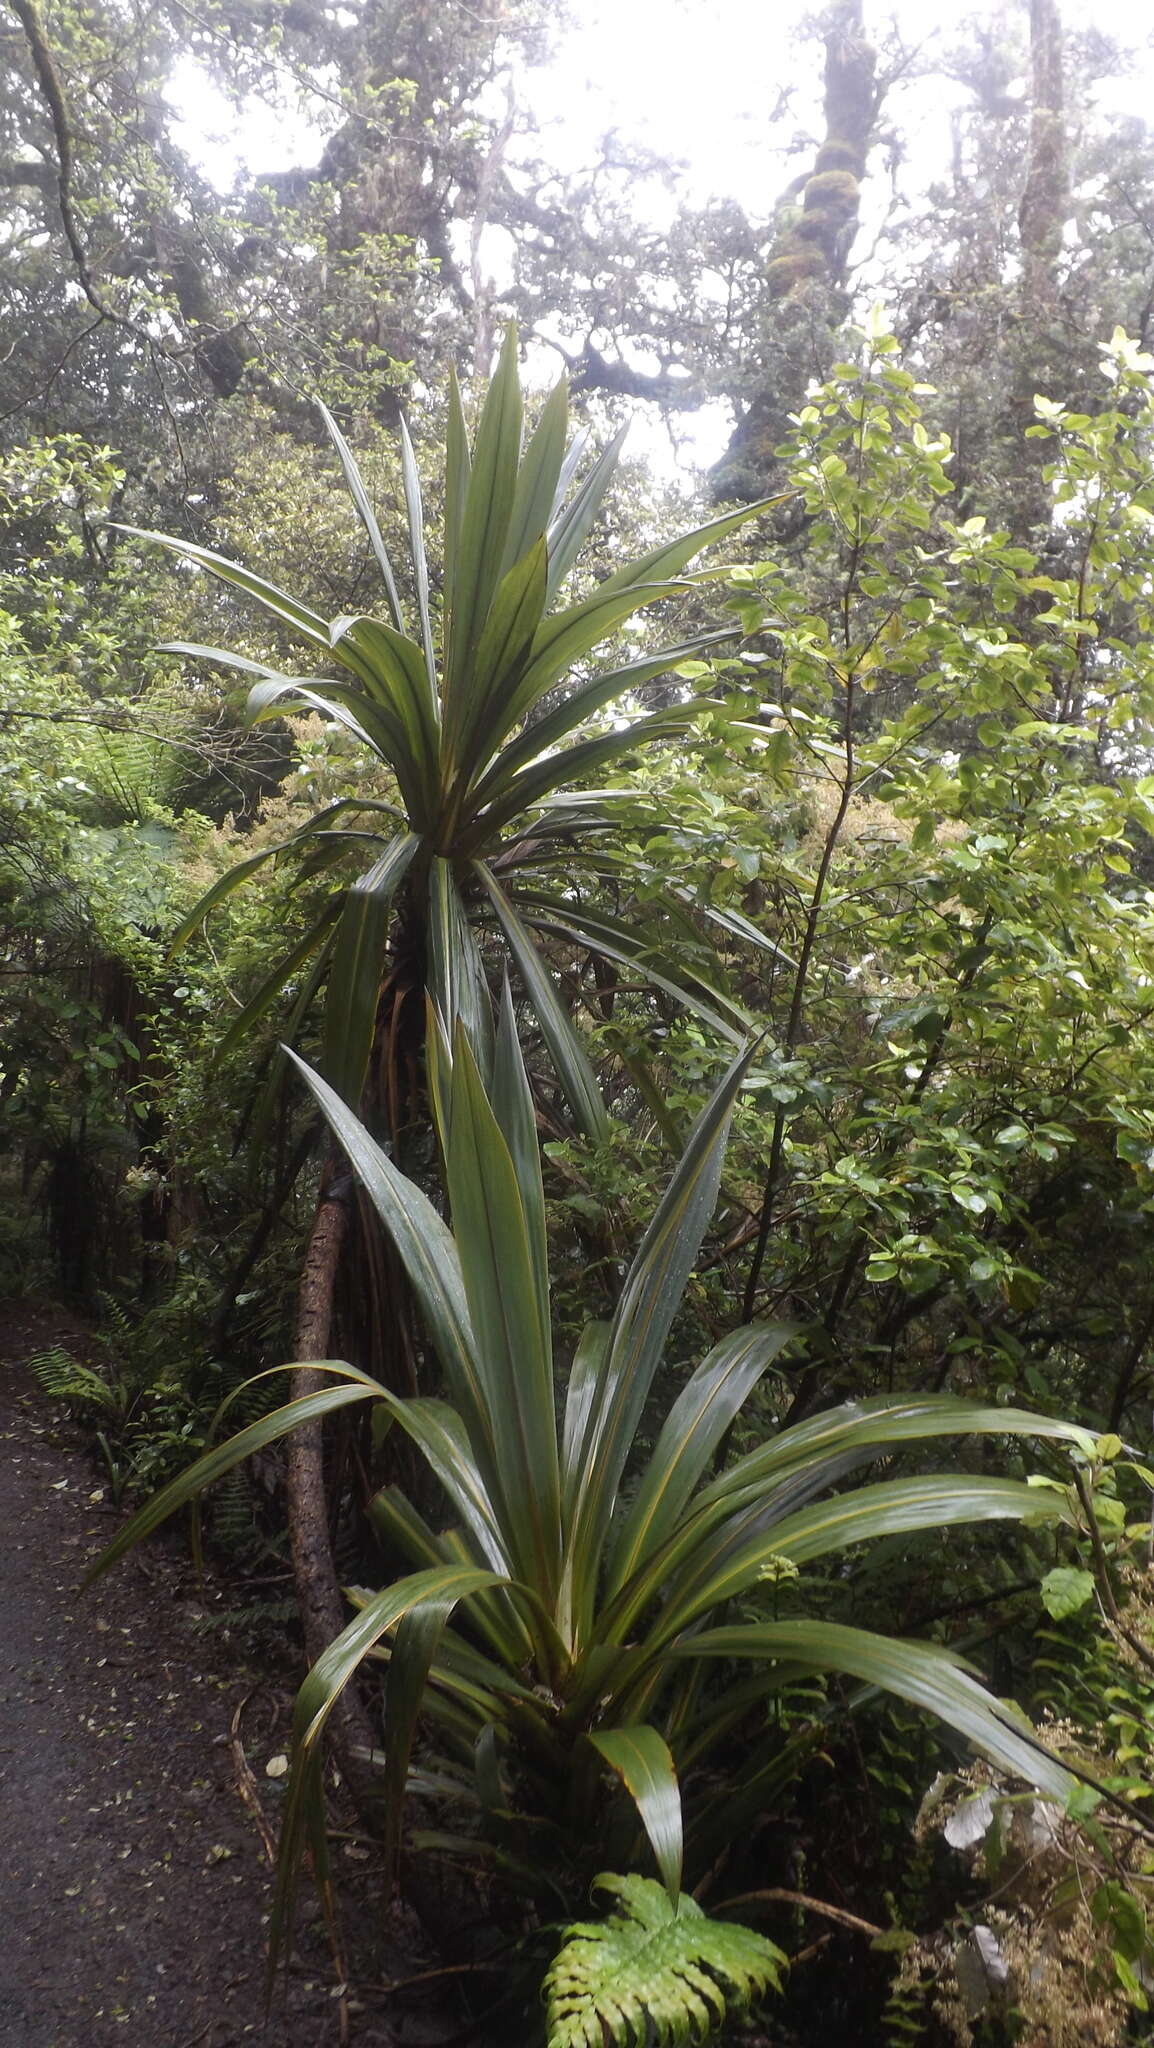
223	1457
538	479
649	1301
642	1760
895	1507
570	1061
424	1246
357	970
694	1427
368	518
513	1342
920	1673
481	537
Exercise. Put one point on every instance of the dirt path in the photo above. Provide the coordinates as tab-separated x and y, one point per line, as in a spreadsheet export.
133	1883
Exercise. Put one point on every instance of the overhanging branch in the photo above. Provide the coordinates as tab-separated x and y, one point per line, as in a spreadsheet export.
52	92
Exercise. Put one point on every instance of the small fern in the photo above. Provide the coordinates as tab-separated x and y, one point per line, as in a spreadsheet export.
652	1975
274	1615
904	2014
64	1378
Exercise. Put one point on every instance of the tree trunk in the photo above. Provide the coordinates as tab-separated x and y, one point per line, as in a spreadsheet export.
1042	214
817	219
322	1607
1042	210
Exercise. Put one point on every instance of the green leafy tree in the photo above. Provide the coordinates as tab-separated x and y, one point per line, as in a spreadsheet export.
951	1145
141	293
96	759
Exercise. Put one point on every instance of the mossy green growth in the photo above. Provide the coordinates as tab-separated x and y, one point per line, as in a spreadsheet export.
793	268
837	155
835	192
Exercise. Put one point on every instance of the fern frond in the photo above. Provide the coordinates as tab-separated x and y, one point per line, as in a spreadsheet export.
652	1975
232	1513
64	1378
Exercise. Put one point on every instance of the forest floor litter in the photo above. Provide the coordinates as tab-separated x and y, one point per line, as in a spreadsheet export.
136	1807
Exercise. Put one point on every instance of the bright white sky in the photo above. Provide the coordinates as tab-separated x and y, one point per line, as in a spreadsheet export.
670	73
695	81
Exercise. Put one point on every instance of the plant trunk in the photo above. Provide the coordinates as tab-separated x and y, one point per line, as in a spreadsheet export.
318	1591
1042	358
805	276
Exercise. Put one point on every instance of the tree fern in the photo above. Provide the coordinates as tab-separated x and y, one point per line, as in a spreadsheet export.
654	1975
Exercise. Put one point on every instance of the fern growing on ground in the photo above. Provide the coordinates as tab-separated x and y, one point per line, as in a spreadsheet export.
64	1378
654	1972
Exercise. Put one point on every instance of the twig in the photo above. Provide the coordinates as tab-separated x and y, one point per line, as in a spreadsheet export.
1110	1608
52	92
245	1781
779	1895
796	1008
806	1955
194	2038
430	1976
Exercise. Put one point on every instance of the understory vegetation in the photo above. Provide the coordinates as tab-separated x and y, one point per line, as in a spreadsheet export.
589	1064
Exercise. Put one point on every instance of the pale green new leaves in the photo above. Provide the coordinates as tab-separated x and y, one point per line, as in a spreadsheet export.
653	1972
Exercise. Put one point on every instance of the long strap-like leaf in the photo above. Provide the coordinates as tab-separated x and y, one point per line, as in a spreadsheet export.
512	1103
416	516
571	521
355	1386
793	1468
368	517
642	1760
880	1421
649	1301
574	764
512	1341
733	1561
304	1818
581	704
692	1430
397	679
400	1524
315	944
565	638
481	537
455	970
538	478
921	1673
308	623
673	556
502	654
224	886
570	1061
616	940
425	1248
357	969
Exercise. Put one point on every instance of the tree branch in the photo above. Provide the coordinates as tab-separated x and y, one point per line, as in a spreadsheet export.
52	92
34	176
594	372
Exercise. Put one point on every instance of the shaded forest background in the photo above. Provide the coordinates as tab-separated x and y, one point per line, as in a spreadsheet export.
904	831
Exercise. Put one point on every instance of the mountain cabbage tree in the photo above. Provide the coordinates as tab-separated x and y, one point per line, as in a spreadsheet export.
577	1611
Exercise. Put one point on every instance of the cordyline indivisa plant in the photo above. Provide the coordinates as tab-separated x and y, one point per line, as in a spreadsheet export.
570	1610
